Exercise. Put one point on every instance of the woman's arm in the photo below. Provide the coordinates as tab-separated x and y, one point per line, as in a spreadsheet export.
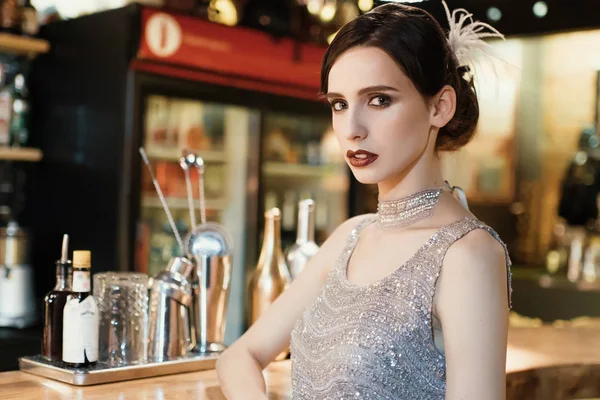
472	306
240	367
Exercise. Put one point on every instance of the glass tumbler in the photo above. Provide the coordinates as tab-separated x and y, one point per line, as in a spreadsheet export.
123	307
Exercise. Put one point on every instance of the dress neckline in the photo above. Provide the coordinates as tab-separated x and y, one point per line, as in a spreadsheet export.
353	241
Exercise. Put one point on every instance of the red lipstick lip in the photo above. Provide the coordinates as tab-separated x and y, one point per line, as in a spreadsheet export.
368	158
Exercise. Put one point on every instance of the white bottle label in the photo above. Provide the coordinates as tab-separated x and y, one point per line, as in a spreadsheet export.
81	281
80	330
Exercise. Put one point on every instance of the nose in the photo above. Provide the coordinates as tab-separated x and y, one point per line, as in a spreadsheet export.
355	129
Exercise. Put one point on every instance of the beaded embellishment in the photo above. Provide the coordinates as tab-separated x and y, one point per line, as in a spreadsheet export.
407	210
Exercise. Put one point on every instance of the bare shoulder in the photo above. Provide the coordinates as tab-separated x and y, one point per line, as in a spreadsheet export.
477	248
473	274
472	306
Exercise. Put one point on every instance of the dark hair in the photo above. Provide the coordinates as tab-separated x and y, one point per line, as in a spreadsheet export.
415	40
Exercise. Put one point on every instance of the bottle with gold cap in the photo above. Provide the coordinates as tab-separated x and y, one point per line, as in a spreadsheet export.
80	317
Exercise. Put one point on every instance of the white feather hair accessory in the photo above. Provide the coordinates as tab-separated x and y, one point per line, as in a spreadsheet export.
466	36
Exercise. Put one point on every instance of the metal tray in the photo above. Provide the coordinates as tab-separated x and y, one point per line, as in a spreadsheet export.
102	373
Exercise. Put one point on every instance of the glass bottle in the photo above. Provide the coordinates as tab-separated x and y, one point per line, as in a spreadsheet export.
19	131
54	303
9	16
80	317
6	105
271	277
29	19
305	247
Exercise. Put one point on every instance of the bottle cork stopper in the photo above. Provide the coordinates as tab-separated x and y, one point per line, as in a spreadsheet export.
82	259
273	213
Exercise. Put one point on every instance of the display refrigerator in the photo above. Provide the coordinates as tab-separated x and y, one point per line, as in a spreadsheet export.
133	77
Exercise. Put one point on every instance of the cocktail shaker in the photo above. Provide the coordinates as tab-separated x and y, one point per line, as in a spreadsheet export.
170	301
210	246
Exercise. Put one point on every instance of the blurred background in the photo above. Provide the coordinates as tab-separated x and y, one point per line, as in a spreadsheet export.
84	84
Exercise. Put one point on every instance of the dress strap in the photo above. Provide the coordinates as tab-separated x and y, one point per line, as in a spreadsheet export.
448	235
352	239
356	231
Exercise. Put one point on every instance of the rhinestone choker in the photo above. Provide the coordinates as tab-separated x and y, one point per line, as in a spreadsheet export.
407	210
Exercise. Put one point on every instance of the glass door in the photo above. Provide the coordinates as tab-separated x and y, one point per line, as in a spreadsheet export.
216	132
301	159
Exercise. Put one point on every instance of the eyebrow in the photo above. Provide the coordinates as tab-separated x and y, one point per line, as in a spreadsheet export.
378	88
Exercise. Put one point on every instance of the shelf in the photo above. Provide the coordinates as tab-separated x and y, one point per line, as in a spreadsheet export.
179	204
271	168
17	44
20	154
156	153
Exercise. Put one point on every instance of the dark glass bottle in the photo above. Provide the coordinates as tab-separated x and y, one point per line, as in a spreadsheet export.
54	303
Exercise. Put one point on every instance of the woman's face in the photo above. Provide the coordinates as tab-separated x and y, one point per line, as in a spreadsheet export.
381	120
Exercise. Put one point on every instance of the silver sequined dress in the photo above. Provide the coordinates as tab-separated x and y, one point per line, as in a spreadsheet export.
376	342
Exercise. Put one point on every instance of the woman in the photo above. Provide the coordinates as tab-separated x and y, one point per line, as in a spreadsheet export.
411	302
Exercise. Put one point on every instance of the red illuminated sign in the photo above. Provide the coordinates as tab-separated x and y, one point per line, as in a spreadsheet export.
231	52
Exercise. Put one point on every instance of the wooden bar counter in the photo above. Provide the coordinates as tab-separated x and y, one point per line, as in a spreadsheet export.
542	363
